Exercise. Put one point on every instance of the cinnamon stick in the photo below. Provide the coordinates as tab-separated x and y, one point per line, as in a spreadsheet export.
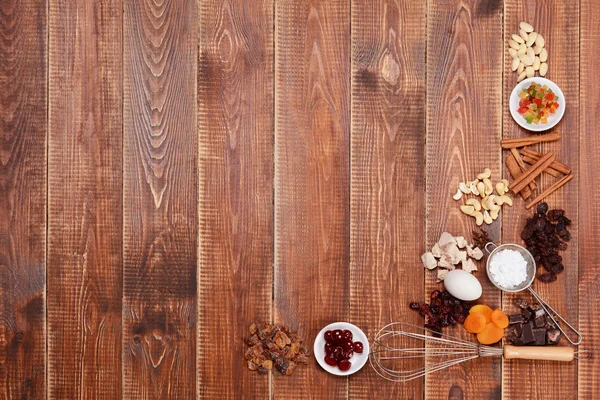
528	141
549	170
557	185
515	172
523	167
562	168
530	174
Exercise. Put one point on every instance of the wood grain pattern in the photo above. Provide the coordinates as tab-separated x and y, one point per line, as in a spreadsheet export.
23	127
312	138
589	195
558	23
160	199
235	97
464	75
387	175
84	200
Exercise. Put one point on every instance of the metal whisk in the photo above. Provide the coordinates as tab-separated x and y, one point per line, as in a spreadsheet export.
397	345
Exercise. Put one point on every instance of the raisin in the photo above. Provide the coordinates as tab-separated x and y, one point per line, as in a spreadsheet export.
553	215
542	208
435	294
547	278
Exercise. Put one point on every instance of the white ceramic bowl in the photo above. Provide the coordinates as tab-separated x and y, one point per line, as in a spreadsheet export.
552	120
358	360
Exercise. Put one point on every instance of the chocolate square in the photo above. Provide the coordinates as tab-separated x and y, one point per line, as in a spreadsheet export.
527	314
528	333
539	335
515	319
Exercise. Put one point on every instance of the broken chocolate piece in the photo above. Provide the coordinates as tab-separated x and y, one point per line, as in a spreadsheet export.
553	336
521	303
540	321
515	319
539	335
526	314
527	334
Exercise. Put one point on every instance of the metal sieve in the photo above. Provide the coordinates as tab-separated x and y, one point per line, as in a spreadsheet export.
526	284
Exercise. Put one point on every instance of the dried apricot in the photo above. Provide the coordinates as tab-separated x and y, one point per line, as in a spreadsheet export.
482	309
499	318
490	334
475	322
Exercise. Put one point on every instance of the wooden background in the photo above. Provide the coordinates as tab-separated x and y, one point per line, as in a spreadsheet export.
171	171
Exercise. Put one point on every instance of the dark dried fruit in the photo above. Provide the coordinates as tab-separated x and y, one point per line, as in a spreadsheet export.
415	306
546	278
444	310
542	208
545	234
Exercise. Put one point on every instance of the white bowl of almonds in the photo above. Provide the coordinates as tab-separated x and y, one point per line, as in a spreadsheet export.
528	52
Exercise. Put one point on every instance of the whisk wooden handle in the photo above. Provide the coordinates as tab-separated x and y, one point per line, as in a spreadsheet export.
539	353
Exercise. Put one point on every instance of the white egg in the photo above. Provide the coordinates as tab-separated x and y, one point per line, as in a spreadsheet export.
462	285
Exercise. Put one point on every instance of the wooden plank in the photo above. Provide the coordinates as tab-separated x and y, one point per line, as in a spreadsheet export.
84	200
160	199
235	97
589	223
23	127
464	83
312	137
558	22
387	175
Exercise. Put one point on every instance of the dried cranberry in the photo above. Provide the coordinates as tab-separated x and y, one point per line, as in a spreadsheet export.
346	344
344	365
330	361
461	318
452	320
415	306
328	336
357	347
435	294
328	348
347	334
425	310
435	310
338	353
336	335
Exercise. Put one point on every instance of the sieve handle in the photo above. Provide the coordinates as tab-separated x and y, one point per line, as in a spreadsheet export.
539	353
490	244
552	314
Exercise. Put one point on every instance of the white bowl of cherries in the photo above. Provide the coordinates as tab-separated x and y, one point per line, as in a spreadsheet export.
341	348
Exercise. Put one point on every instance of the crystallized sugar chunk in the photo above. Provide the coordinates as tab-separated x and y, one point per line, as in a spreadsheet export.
461	242
446	240
441	274
469	265
429	261
437	252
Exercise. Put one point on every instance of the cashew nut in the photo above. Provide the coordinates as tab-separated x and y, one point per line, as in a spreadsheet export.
506	200
500	189
485	174
489	188
487	218
463	188
474	190
491	205
478	218
458	195
475	203
494	214
481	189
484	202
469	210
505	181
